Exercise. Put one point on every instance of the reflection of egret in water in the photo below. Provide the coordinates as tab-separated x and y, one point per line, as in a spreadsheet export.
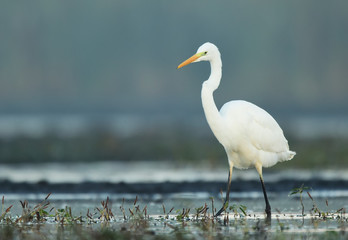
250	136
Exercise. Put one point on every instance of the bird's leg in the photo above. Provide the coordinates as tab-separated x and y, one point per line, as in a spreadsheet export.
268	206
225	205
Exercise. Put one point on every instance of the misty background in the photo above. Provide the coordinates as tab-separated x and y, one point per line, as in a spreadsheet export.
97	80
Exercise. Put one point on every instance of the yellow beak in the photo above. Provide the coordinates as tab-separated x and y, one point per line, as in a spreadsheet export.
190	60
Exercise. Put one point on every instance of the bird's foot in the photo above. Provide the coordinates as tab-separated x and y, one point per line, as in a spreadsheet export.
268	212
219	212
222	209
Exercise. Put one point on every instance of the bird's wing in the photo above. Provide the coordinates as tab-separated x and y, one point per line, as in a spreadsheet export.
257	126
264	132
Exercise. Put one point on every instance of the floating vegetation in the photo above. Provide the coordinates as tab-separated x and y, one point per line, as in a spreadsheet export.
44	221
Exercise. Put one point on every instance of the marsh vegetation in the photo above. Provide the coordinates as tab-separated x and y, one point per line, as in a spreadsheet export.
138	219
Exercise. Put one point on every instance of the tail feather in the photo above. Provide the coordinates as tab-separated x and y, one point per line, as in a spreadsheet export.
290	155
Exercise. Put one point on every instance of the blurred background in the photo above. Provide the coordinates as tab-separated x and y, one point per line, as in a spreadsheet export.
95	81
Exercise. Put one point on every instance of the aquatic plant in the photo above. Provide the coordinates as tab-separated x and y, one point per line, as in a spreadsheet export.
65	216
235	208
299	191
39	211
105	213
44	221
183	215
4	211
164	211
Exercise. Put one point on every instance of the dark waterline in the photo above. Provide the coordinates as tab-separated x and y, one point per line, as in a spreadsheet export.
167	187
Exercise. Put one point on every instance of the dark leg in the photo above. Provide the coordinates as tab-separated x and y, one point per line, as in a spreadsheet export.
225	205
268	207
258	167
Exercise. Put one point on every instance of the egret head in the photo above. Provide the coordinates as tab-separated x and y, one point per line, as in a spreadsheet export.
206	52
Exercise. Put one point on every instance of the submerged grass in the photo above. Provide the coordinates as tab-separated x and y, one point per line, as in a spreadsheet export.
44	221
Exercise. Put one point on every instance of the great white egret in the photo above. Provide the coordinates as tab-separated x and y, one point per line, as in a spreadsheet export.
251	137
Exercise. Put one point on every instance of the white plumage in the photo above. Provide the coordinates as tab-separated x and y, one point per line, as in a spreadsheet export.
258	135
250	135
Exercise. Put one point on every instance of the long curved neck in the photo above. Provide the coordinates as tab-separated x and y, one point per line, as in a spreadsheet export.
211	112
215	75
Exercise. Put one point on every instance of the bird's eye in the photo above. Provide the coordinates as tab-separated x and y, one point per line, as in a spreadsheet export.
205	53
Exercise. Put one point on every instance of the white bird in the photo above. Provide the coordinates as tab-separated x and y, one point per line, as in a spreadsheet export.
251	137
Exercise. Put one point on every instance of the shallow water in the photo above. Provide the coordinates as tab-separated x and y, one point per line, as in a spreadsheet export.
286	221
151	171
82	202
162	186
83	186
